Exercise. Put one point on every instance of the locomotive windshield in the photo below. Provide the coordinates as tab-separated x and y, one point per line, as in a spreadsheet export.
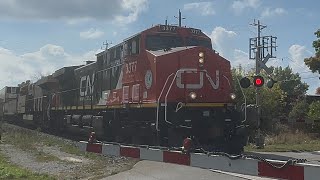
157	42
198	42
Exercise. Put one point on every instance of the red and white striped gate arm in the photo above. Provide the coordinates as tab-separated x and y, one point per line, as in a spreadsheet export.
299	171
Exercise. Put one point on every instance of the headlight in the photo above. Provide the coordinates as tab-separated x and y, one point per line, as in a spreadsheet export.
201	60
233	96
193	95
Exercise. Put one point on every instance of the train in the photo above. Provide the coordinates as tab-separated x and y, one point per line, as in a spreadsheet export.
157	87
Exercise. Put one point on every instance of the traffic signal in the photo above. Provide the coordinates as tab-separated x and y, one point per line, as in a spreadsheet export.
270	83
245	82
258	81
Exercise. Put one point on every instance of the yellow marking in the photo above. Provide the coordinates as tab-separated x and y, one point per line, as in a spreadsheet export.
204	104
144	105
148	105
100	107
115	107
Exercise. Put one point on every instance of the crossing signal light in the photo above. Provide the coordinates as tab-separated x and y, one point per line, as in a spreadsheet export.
258	81
245	82
270	83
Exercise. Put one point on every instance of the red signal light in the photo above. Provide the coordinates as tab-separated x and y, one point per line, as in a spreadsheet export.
258	81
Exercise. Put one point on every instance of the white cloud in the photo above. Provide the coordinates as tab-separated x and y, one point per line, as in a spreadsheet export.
297	54
268	12
242	58
204	8
91	34
15	68
72	11
240	5
296	61
223	42
134	7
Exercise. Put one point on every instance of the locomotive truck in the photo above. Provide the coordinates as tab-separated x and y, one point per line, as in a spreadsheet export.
157	87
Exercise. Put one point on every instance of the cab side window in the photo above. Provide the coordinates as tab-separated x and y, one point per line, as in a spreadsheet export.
13	90
132	46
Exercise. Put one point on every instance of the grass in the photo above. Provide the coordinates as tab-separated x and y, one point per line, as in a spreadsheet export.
31	141
10	171
44	157
288	141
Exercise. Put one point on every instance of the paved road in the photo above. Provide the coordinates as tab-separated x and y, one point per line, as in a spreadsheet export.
148	170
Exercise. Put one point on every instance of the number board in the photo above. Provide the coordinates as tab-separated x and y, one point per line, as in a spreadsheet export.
195	31
167	28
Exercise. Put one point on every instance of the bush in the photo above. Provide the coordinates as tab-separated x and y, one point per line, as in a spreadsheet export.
280	128
314	112
299	111
297	137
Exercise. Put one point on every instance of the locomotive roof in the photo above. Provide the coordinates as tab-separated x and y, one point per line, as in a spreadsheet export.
46	79
153	27
61	71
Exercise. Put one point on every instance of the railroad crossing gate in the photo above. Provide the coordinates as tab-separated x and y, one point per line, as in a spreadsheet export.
241	164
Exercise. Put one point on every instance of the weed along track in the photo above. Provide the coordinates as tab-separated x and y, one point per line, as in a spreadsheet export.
38	155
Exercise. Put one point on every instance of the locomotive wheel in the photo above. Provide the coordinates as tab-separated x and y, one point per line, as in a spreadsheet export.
234	146
174	138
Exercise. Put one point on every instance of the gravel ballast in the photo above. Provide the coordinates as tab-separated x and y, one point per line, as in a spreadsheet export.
53	160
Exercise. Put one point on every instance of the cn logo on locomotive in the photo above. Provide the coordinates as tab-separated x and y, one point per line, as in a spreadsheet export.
86	85
215	85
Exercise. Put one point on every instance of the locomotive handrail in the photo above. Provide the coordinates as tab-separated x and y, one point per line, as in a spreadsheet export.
245	102
179	70
165	84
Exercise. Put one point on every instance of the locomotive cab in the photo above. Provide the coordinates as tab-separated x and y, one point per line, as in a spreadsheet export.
193	91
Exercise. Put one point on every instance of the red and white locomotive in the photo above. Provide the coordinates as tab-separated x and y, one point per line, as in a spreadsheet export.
157	87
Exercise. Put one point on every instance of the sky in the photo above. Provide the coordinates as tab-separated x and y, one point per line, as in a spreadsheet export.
38	37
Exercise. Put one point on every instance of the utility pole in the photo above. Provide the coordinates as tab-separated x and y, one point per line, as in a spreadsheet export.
180	18
259	49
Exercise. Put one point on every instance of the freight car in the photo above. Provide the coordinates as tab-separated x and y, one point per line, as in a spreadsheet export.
8	103
157	87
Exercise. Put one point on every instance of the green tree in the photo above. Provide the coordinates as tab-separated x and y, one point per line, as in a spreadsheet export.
314	62
290	82
318	91
314	112
299	111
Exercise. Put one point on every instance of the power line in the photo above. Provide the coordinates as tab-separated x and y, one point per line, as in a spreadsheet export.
295	62
311	77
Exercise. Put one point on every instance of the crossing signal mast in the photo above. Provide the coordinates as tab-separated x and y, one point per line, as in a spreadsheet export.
261	48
